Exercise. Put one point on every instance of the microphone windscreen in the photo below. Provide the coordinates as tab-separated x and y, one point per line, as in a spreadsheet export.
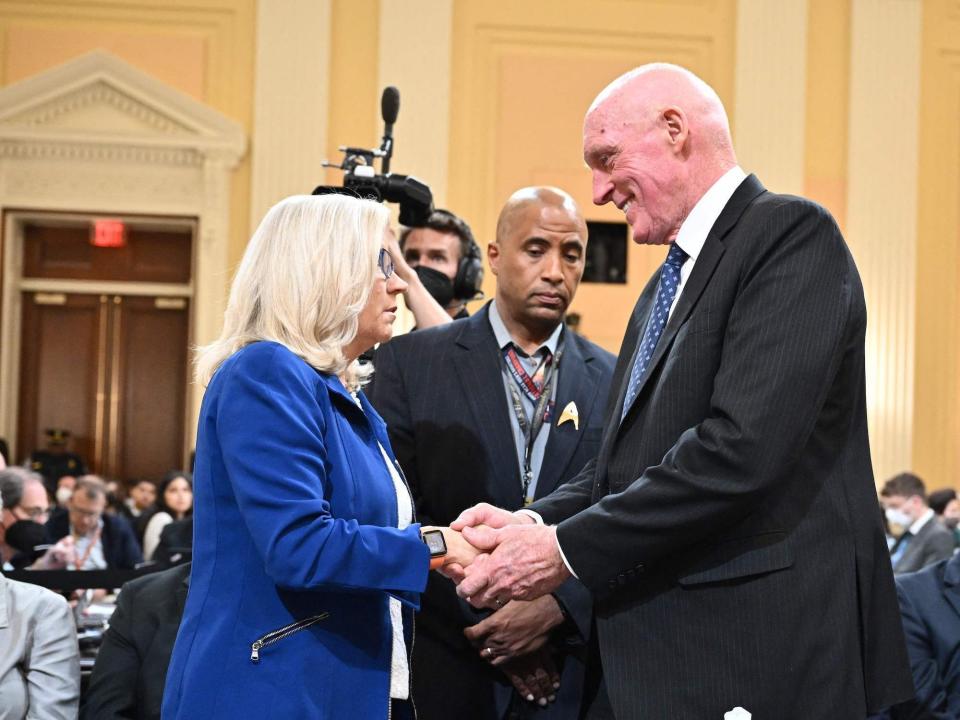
390	104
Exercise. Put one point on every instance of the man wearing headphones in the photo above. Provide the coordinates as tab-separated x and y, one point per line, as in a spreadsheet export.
500	407
446	258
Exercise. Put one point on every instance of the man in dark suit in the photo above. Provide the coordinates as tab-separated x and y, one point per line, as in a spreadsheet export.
729	529
87	538
930	607
923	540
500	407
131	669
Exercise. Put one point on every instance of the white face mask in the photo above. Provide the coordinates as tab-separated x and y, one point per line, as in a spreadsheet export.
63	495
898	517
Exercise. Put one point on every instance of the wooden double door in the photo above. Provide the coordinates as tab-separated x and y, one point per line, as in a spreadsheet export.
112	369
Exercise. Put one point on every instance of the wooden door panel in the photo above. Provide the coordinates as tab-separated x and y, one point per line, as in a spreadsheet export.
151	381
65	252
62	347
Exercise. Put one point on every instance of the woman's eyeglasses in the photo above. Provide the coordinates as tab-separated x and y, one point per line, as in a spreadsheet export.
385	263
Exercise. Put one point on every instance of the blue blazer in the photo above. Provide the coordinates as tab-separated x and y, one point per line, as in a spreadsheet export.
296	550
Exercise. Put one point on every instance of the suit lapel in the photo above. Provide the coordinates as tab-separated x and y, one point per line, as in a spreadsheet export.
703	269
631	342
914	545
577	383
477	366
951	583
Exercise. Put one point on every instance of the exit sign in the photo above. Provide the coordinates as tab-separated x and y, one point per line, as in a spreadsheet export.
108	234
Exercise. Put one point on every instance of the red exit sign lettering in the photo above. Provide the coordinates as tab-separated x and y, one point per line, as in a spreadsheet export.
108	234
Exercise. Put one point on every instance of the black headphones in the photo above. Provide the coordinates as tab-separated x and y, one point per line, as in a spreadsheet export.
469	277
466	285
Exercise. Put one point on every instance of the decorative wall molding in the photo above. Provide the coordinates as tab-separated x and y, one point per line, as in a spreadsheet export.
99	95
881	224
98	152
421	71
97	134
936	417
769	109
291	101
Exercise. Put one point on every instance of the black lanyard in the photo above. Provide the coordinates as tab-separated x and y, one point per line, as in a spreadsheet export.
531	427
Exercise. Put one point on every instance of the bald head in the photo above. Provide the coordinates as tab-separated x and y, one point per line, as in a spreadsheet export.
656	138
538	259
522	200
650	89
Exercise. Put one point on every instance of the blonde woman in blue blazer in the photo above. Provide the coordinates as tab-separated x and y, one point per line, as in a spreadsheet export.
307	561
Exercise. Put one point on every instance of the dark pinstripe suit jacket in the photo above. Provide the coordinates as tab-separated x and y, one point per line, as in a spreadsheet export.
730	529
441	394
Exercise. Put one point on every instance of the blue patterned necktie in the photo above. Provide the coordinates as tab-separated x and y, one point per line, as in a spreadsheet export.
666	292
900	548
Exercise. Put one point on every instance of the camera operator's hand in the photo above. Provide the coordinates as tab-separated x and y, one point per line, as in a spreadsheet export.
427	312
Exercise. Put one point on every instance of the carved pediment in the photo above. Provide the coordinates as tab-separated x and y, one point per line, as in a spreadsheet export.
99	108
99	98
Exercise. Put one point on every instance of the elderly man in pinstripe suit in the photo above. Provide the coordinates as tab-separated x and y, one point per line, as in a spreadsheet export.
729	528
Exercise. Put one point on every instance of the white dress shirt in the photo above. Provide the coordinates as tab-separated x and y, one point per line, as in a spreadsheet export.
920	522
95	558
399	665
694	230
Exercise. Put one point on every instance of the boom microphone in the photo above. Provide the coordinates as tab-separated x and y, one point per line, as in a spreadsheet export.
390	104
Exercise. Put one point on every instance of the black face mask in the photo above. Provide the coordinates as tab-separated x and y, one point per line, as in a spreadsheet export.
437	284
25	535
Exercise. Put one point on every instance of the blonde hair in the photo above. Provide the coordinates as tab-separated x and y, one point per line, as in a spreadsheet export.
304	278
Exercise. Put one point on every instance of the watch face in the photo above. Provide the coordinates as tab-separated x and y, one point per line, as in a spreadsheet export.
435	543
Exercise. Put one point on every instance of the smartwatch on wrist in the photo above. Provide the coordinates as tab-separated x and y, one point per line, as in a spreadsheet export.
436	545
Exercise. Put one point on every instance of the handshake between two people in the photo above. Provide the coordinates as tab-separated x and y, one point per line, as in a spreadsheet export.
495	556
510	564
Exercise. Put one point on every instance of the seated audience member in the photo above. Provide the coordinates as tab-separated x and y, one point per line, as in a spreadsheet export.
115	497
174	502
25	510
176	543
947	508
923	541
86	538
939	499
131	668
65	486
140	506
39	655
951	519
930	608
